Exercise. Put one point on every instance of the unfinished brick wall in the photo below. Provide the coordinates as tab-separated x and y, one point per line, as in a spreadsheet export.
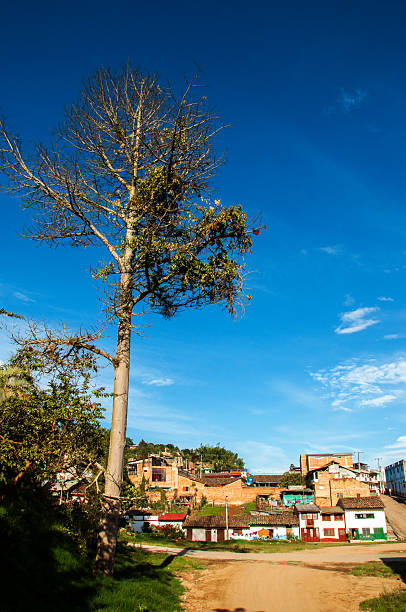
312	462
328	489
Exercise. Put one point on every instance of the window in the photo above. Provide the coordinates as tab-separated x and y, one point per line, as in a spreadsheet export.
338	517
326	517
132	470
361	516
329	532
158	474
366	531
370	515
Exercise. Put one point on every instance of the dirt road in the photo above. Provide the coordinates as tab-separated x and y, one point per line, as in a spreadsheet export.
272	587
350	553
396	515
310	580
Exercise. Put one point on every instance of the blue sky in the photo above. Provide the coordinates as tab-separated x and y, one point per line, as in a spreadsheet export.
315	94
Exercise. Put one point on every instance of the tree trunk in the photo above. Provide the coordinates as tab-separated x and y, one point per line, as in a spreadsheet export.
114	473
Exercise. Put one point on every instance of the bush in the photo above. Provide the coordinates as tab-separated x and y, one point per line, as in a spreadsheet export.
169	531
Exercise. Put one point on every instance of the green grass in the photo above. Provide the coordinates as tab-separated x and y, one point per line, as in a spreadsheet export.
387	602
377	568
211	510
249	506
142	582
259	546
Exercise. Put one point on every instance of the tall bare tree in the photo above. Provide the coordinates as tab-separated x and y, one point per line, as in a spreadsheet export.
129	170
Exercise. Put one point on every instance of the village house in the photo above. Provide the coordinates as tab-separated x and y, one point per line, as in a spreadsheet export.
309	462
265	480
395	475
364	517
296	495
373	478
276	526
333	481
321	524
143	520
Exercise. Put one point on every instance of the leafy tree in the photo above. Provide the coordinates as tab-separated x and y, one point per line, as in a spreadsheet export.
128	171
292	478
43	431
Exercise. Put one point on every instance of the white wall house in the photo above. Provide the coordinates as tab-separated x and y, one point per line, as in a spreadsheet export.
318	524
364	518
273	526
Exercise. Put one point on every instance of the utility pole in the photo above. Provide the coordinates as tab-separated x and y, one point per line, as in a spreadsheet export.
381	477
200	465
358	453
227	534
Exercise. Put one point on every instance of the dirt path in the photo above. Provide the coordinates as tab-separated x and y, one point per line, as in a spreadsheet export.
354	553
271	587
396	515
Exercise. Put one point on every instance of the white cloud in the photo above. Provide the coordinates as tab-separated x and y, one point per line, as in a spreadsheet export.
378	401
159	382
385	299
356	320
347	101
349	300
331	250
392	336
351	385
351	100
400	443
22	297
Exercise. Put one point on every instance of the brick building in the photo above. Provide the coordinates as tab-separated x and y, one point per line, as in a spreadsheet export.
314	461
334	481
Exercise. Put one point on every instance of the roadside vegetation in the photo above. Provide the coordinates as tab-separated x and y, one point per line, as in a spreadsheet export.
389	569
387	602
242	546
52	554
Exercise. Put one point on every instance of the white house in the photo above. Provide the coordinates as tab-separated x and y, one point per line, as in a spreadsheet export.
141	520
364	517
321	524
274	526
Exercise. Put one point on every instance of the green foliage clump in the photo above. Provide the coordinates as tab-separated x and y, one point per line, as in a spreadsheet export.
292	479
44	430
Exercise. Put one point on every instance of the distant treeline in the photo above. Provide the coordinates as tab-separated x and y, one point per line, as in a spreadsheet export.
221	458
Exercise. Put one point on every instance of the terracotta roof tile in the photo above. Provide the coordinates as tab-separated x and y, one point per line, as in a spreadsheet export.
360	503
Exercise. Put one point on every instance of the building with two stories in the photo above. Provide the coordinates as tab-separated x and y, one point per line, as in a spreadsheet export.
395	475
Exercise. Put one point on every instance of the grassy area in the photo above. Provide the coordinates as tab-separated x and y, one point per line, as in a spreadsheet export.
143	582
377	568
259	546
211	510
387	602
250	506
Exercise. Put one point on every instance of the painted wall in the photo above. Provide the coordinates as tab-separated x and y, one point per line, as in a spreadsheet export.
395	478
378	521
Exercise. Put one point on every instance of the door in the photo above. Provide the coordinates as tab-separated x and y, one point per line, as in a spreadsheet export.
341	535
208	535
220	535
189	533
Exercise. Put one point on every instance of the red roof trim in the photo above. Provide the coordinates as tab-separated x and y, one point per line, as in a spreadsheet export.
173	516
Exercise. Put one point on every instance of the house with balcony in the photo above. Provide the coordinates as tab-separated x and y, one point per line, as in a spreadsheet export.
316	524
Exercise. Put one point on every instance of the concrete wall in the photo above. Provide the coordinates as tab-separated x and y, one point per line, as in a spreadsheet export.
379	520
